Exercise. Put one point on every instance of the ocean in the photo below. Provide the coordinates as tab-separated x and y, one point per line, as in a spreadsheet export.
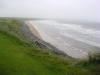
76	40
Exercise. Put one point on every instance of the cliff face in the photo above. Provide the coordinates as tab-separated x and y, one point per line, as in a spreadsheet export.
20	57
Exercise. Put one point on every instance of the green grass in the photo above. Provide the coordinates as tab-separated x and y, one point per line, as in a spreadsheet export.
15	61
17	57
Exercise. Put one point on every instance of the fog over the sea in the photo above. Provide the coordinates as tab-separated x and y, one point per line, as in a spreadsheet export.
74	10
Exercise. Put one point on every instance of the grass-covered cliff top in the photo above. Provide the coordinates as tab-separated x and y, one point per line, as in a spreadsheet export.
20	57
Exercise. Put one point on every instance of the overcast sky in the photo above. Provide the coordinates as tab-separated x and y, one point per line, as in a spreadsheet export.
80	10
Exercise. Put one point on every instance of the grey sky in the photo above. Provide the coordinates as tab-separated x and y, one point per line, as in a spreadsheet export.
81	10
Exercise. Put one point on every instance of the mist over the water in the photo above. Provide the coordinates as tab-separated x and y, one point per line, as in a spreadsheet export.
68	10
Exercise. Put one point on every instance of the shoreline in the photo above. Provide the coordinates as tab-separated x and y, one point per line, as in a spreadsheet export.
29	31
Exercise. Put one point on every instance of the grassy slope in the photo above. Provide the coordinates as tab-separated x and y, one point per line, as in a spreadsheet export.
19	58
14	60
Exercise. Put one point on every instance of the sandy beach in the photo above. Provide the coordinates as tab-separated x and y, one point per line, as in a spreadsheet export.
33	29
